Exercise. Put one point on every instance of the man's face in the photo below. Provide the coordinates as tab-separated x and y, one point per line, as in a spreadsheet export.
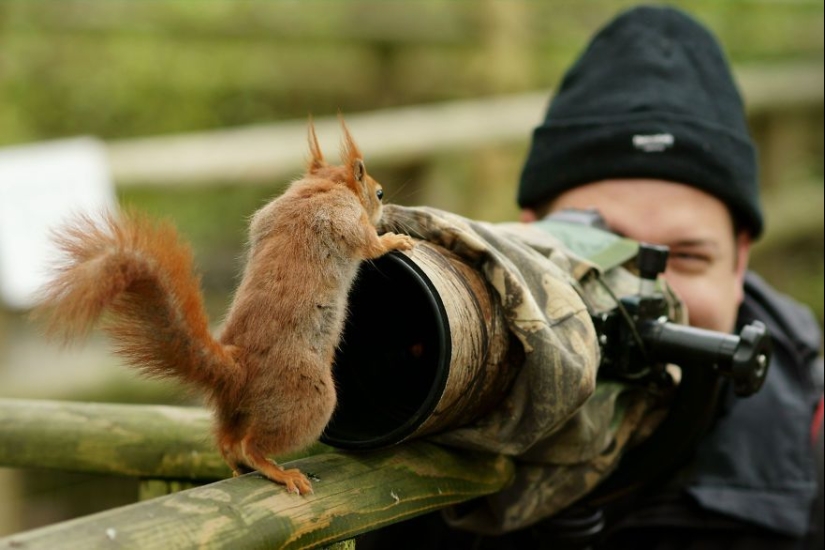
707	261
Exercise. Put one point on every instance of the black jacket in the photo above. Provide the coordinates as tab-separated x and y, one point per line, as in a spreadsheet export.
752	482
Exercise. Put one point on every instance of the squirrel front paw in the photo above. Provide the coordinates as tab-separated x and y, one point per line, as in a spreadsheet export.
394	241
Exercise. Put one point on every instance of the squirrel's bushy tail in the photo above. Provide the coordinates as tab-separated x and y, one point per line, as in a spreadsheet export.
139	276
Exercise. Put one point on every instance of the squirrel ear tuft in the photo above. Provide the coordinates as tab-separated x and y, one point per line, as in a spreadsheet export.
317	161
359	171
349	150
353	158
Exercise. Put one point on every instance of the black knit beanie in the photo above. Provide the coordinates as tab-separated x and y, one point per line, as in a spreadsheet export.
651	97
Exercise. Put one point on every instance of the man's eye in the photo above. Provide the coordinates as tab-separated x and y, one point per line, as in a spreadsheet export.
689	256
686	261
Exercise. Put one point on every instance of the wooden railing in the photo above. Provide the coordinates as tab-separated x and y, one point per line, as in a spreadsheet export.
278	151
170	448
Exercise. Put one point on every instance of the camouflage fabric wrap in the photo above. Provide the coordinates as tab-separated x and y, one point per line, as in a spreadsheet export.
565	432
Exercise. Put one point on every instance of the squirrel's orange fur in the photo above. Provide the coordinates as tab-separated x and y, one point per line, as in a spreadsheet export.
268	377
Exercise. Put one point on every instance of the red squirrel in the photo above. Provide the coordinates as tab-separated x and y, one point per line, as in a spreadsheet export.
268	376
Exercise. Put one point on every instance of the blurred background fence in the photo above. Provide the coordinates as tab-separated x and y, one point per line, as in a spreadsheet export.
202	106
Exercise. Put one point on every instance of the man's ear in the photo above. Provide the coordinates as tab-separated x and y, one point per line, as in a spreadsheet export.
528	215
742	254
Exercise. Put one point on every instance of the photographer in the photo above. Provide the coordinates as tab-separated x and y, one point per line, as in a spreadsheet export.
649	129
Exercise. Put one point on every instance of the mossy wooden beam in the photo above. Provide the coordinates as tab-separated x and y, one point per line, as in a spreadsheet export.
134	440
354	493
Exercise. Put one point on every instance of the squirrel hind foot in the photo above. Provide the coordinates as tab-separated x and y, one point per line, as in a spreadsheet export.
293	479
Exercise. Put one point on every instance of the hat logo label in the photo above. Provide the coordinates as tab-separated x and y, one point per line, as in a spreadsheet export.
653	143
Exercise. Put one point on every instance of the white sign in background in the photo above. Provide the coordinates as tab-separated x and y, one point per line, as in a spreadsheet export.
41	186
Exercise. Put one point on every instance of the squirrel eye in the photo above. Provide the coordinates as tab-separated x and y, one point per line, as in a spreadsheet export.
380	194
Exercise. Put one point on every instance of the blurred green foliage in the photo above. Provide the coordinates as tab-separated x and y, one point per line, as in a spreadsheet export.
122	68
